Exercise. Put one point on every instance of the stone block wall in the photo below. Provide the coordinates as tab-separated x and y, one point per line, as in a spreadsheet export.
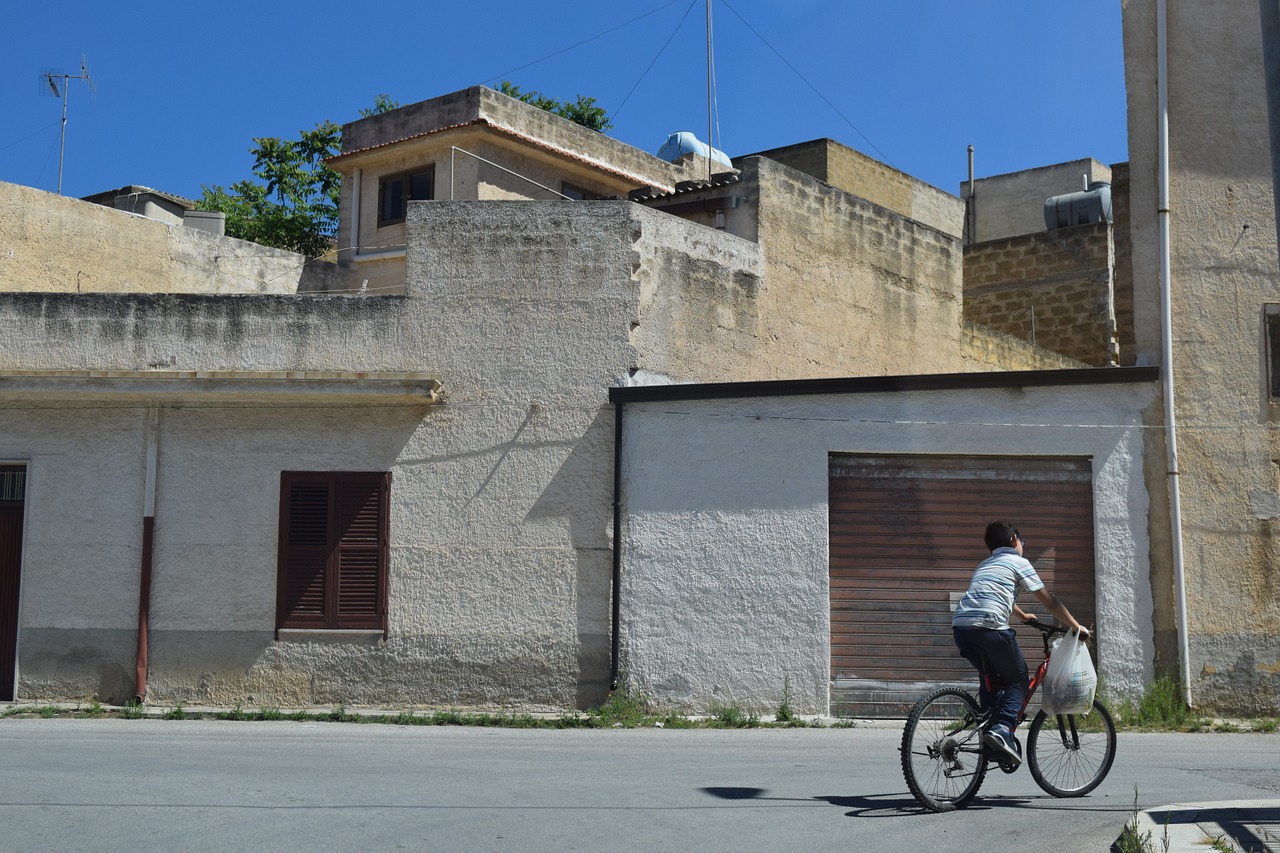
987	350
852	288
1054	289
1122	269
868	178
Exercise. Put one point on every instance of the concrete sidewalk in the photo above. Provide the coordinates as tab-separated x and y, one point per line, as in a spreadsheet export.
1249	826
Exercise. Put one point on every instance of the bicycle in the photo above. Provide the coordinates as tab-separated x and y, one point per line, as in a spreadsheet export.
944	760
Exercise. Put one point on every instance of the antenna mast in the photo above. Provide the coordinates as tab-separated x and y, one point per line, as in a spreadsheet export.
51	77
710	88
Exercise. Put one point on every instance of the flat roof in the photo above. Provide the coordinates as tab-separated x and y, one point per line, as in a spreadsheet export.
882	384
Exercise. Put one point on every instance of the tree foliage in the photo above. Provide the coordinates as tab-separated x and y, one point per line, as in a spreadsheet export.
583	111
293	203
382	103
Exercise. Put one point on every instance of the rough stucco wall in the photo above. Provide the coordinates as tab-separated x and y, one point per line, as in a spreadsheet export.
1054	288
79	595
516	478
213	605
725	564
500	562
1223	272
851	288
501	496
53	244
699	303
529	311
217	495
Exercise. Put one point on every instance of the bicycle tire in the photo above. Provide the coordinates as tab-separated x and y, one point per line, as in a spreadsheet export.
1070	754
943	760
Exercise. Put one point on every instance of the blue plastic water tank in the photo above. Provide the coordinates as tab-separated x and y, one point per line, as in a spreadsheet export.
685	142
1091	205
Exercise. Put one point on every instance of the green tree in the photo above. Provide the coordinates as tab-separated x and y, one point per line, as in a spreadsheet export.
293	203
382	103
582	111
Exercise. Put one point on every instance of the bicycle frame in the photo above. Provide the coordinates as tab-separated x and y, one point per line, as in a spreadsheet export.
944	757
1066	723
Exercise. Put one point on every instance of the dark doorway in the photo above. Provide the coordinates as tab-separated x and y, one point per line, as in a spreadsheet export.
12	491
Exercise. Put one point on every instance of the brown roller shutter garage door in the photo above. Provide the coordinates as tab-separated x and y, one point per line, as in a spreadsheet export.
906	534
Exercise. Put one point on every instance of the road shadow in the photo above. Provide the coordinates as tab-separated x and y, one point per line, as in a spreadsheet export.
881	805
896	804
871	805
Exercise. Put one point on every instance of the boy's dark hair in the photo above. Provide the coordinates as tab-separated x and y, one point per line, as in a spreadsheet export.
1000	535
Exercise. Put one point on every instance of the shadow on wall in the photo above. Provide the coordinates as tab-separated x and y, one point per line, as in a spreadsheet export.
580	495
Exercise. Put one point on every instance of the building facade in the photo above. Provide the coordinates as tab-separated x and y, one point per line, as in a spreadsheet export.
392	480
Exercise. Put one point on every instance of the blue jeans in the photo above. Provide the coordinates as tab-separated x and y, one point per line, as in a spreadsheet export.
996	653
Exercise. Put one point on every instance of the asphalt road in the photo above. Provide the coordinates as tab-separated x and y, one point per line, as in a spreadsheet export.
212	785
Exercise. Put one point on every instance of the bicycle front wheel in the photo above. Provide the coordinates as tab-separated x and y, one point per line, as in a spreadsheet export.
1071	754
943	761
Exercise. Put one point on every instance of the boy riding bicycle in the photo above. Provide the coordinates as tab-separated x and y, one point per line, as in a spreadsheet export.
982	633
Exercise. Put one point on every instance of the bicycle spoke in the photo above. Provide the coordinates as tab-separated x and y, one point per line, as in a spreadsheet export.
1070	755
942	761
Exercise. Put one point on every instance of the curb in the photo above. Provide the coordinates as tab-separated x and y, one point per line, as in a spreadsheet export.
1249	826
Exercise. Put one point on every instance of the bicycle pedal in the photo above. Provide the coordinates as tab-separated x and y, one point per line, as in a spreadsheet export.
1009	767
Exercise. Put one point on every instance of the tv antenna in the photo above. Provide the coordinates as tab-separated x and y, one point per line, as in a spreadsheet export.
50	80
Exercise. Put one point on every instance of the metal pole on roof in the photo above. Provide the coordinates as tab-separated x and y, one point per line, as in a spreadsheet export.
970	214
62	145
710	88
66	87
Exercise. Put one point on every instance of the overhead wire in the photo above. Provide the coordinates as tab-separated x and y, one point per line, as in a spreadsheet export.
714	106
805	80
655	59
29	136
580	43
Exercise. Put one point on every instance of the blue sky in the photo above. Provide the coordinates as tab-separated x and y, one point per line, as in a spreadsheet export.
183	88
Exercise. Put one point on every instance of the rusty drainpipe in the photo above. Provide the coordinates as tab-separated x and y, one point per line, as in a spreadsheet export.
616	603
148	538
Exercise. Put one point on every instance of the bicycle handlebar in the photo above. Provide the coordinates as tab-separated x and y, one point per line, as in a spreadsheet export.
1049	631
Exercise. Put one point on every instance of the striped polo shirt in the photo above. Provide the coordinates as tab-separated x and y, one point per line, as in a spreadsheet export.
996	583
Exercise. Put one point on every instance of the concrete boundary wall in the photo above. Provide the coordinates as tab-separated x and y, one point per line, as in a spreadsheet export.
53	244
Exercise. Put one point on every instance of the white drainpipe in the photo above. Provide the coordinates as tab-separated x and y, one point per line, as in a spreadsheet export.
1166	322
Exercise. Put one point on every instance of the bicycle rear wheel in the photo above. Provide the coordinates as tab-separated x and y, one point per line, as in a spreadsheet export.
1070	754
943	761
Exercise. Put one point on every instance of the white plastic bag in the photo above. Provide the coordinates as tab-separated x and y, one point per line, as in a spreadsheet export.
1070	680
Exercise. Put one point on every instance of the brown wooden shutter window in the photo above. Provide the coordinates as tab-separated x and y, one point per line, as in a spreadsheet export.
333	550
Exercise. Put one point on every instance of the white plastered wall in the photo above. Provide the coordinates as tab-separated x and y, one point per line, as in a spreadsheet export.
725	545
